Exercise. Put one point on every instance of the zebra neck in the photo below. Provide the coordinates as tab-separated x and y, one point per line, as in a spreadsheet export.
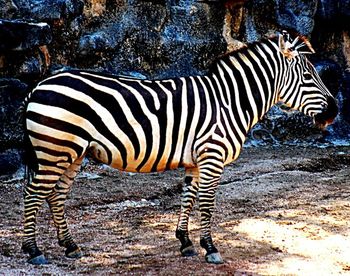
242	93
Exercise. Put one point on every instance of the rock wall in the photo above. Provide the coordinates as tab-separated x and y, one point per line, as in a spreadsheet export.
160	39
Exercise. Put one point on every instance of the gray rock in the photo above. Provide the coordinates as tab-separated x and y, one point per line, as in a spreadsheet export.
12	94
157	40
162	39
100	41
7	9
335	13
330	73
345	112
19	35
30	68
10	162
44	10
296	15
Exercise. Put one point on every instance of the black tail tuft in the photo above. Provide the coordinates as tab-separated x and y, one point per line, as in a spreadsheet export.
29	158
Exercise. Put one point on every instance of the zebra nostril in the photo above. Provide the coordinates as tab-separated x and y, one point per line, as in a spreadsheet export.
324	107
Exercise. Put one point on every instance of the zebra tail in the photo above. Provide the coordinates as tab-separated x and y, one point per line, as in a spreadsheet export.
29	158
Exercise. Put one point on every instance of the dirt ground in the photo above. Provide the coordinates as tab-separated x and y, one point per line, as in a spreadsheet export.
280	211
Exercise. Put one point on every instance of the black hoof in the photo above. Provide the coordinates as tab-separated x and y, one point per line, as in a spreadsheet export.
75	254
38	260
214	258
189	251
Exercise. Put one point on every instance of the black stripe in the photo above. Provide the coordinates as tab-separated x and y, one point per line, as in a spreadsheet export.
177	111
163	123
234	107
59	125
242	93
266	84
253	88
77	148
55	153
50	163
204	103
161	115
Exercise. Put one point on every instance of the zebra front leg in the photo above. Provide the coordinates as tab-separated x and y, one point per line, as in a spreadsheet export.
189	194
34	195
56	201
210	174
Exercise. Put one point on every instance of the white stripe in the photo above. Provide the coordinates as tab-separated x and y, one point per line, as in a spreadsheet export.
173	85
264	57
277	68
188	154
236	92
182	125
45	130
50	157
209	110
227	90
63	149
236	144
257	80
169	129
238	66
153	94
262	69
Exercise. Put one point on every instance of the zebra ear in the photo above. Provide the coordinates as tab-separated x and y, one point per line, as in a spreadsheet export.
291	48
285	45
302	45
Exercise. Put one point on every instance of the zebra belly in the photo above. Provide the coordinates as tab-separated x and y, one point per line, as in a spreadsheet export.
128	163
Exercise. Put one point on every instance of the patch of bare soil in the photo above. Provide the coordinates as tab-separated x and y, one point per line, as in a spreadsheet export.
280	211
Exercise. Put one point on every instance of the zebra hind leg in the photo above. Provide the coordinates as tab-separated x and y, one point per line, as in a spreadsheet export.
188	198
56	202
34	195
210	174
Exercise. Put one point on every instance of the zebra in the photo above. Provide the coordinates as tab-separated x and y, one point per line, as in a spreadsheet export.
199	123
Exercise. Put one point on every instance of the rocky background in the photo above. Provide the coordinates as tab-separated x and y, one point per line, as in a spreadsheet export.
159	39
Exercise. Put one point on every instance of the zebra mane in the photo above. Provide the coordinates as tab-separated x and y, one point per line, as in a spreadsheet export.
289	47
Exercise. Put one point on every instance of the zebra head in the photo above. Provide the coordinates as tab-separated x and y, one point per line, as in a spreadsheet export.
302	88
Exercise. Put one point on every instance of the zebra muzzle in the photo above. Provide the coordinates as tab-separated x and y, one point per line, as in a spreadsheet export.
328	114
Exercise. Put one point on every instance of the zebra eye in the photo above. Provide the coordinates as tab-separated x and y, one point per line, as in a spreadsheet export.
307	76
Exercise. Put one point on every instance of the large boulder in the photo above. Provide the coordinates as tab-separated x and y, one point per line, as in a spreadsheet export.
10	162
334	14
345	113
12	93
296	15
48	10
156	40
20	36
163	39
